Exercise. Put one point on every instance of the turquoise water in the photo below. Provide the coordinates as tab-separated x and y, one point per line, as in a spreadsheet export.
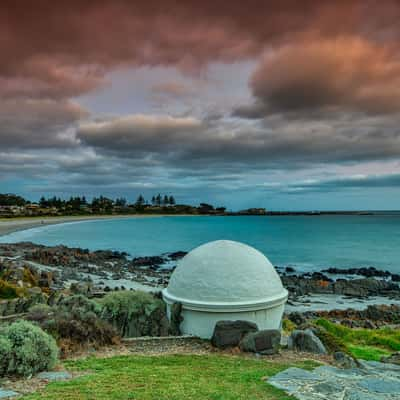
309	243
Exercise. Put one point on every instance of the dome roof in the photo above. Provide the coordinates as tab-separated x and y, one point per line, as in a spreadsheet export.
226	275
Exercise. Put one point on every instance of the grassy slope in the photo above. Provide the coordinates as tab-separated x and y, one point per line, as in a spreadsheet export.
367	344
177	377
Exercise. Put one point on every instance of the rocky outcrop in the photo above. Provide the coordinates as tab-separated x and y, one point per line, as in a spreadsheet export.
372	317
343	360
265	342
306	341
230	333
392	359
303	285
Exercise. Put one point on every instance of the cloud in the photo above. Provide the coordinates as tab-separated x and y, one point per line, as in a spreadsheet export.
64	48
139	133
382	181
38	123
274	143
346	73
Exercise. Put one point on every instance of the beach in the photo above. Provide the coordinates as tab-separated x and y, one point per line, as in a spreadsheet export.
11	225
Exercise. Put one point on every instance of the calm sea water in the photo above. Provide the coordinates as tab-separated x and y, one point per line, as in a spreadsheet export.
308	243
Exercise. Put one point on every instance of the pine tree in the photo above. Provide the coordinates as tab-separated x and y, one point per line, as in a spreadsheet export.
172	200
165	200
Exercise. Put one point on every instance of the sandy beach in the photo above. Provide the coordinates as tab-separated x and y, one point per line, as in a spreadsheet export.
10	225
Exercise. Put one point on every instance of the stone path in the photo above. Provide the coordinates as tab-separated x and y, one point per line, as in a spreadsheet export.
373	381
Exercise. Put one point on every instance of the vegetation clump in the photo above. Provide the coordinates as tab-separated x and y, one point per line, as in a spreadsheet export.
135	313
8	290
74	323
26	349
363	343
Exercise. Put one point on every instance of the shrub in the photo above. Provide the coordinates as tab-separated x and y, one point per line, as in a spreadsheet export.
288	326
8	291
31	350
73	324
135	313
5	352
40	313
79	303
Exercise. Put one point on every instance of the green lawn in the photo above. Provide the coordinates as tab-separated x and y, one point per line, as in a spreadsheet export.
177	377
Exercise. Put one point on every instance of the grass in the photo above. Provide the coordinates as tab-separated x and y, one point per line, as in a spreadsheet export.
367	344
176	377
370	353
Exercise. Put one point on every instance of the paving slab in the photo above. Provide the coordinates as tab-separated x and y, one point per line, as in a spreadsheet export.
372	381
7	394
54	376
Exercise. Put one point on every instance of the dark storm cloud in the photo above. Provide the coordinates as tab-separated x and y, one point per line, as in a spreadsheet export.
58	48
345	73
32	124
189	142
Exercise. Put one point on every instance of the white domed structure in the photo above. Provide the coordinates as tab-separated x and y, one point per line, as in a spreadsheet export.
225	280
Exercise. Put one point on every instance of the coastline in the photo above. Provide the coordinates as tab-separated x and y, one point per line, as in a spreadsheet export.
11	225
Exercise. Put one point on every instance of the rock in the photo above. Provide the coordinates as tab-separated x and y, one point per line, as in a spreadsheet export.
230	333
54	376
175	319
392	359
306	341
343	360
297	318
177	255
6	394
265	342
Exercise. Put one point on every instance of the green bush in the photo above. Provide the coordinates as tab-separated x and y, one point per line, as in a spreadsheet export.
79	303
5	352
8	291
30	349
74	324
135	313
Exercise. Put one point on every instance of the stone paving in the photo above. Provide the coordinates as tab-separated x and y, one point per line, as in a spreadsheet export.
7	394
372	381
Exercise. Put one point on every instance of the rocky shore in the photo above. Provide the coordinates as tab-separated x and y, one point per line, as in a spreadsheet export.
27	266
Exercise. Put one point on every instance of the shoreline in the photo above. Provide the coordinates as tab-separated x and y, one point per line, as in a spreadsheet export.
12	225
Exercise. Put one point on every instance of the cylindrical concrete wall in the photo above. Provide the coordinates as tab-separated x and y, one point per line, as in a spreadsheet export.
201	324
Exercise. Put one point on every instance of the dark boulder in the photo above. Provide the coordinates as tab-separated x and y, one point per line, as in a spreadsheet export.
306	341
265	342
230	333
343	360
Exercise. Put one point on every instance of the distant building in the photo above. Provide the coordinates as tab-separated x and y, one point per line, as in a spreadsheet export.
253	211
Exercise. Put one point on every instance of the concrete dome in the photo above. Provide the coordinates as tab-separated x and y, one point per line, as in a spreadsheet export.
225	276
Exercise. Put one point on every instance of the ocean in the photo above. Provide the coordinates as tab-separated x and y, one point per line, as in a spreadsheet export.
307	243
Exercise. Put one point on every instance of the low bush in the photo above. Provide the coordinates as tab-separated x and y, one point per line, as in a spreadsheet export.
288	326
27	349
135	313
8	290
5	353
74	324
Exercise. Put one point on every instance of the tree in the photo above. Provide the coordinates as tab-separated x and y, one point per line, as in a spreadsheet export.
172	200
158	199
165	200
153	200
140	200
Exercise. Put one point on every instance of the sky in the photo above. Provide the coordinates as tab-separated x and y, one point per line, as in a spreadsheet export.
288	105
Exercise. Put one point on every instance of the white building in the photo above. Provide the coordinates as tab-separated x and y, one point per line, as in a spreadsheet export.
226	280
